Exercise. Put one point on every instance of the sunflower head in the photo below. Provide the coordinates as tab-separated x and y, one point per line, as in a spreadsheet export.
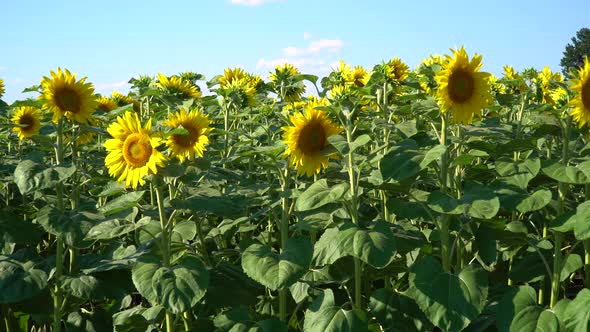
396	71
2	90
581	102
27	121
230	75
359	76
65	96
132	150
192	142
122	100
433	59
106	104
515	84
141	83
307	138
462	88
239	93
496	86
177	87
286	83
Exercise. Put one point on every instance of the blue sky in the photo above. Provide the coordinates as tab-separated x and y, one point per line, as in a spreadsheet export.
112	41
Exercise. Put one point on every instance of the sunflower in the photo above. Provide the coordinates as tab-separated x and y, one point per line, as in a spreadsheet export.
239	92
65	96
178	87
284	78
27	120
307	138
122	100
359	76
462	88
106	104
512	75
396	70
132	150
2	90
230	75
432	60
185	146
581	103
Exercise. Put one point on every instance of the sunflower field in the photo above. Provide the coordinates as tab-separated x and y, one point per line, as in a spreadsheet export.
442	198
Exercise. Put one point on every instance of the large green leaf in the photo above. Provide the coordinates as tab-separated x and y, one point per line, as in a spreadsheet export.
274	270
319	194
535	319
577	312
15	229
339	142
397	312
582	221
524	203
480	201
323	315
142	274
30	175
121	203
566	174
180	287
327	250
449	301
80	286
402	162
113	228
71	228
529	167
513	302
375	246
19	281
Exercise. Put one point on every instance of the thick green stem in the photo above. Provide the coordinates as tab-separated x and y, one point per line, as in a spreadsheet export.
358	299
587	246
59	252
444	220
165	245
284	229
555	283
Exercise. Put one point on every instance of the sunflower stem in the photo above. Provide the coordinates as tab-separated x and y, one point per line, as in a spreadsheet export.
587	246
358	300
444	219
558	236
284	229
59	253
165	247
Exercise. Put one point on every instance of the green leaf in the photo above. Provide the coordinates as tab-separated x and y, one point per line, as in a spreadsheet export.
449	301
582	221
320	194
327	250
121	203
481	201
81	286
110	189
485	243
566	174
278	271
433	154
211	201
70	228
535	319
577	312
524	203
30	176
529	167
375	246
114	228
443	203
180	287
142	274
573	263
15	229
402	162
324	316
566	223
397	312
19	281
340	143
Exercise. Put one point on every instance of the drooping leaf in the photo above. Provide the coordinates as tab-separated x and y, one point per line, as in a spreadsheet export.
323	315
319	194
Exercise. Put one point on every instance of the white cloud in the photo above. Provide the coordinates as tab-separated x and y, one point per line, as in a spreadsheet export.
307	35
332	45
250	3
108	88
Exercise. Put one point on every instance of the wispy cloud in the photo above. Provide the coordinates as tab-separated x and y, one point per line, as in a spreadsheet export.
251	3
317	57
107	88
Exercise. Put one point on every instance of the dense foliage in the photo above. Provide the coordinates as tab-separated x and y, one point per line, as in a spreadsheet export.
440	198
